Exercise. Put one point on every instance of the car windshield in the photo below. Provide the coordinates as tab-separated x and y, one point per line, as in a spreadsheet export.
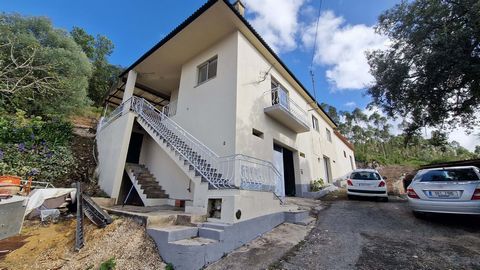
365	175
449	175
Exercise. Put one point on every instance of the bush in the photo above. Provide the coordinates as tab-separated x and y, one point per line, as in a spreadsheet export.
108	264
317	185
33	146
18	128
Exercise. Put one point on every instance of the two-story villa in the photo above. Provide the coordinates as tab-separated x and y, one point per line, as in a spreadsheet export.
211	118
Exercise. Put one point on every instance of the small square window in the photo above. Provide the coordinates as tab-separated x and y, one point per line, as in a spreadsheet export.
207	70
329	135
257	133
314	123
302	155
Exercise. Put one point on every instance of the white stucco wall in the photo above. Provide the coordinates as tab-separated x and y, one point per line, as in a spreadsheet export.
207	111
112	145
252	97
167	173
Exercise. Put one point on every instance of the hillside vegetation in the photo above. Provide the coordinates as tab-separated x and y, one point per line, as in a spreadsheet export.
47	75
374	140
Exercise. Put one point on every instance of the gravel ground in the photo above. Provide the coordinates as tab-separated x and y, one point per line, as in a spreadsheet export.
365	234
51	247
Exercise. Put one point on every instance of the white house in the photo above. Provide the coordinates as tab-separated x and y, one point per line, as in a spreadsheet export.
211	118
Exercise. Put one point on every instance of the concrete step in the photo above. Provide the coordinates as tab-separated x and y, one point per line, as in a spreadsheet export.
215	234
212	225
296	217
197	241
172	233
156	201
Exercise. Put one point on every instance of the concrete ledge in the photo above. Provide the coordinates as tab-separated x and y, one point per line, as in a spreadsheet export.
174	233
319	194
296	216
211	233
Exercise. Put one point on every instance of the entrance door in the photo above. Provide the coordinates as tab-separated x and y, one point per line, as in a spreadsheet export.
134	147
278	163
288	172
283	161
326	168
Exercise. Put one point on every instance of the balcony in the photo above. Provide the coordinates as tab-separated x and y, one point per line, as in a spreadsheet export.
286	111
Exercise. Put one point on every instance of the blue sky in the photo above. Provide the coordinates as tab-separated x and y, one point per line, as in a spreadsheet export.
134	28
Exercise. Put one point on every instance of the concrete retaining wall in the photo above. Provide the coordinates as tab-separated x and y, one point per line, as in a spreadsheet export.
195	253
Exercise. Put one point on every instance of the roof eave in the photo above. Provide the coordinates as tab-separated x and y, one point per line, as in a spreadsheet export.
199	12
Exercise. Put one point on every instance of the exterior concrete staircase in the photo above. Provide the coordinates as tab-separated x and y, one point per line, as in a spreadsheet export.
193	161
146	185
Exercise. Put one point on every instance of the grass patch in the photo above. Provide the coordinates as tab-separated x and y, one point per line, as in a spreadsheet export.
108	264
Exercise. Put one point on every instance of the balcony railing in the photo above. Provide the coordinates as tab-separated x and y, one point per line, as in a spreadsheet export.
284	109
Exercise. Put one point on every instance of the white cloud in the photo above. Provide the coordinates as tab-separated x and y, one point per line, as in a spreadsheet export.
342	47
277	21
350	104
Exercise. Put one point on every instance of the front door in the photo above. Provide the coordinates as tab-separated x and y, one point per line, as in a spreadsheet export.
278	163
288	172
326	165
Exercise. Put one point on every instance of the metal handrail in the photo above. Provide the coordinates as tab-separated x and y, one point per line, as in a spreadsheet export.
170	109
238	170
279	96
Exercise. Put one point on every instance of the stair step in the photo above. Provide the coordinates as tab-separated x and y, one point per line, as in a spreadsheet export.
215	234
173	233
212	225
157	196
186	155
197	241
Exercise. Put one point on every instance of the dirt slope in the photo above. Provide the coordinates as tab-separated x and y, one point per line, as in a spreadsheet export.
51	247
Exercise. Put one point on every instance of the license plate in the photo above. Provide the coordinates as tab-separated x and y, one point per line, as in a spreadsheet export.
364	185
444	194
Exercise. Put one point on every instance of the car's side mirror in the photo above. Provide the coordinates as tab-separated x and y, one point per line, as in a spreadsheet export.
385	178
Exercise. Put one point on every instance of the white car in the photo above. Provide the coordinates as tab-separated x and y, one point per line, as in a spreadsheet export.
367	182
454	190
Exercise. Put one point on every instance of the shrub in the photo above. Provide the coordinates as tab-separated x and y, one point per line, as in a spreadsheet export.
316	185
33	146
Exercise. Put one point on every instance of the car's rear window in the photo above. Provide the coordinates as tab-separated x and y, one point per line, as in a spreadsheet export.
365	176
465	174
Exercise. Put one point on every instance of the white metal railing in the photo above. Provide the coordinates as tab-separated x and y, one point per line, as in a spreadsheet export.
170	109
279	96
237	171
105	121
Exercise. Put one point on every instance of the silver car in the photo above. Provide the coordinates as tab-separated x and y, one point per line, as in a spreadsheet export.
454	190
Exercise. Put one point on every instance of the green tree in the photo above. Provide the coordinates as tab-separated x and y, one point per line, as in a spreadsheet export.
331	111
42	69
477	151
439	139
430	72
104	74
84	40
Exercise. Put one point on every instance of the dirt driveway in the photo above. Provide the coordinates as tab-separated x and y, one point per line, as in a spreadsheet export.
367	234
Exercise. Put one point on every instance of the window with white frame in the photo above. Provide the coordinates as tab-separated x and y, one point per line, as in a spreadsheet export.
329	134
314	123
207	70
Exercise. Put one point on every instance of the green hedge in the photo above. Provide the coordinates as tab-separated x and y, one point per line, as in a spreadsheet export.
34	146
